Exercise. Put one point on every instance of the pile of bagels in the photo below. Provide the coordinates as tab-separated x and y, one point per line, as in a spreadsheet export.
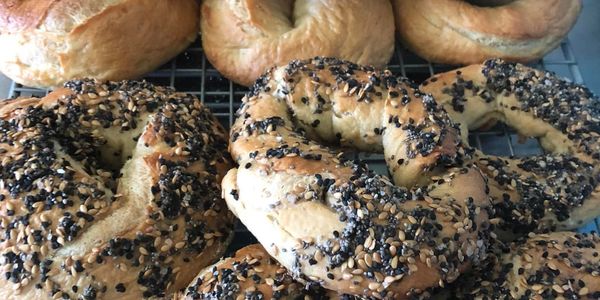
116	188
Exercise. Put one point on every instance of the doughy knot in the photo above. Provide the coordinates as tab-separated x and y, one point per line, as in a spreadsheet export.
543	192
331	220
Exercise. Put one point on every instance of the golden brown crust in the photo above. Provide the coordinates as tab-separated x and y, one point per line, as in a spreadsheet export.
459	32
109	190
544	266
335	222
242	39
49	42
558	190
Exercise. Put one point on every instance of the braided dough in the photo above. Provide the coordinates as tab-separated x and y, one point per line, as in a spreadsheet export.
557	190
242	39
333	221
460	32
109	190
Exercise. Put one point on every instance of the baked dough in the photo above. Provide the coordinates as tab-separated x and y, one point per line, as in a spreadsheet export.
460	32
242	39
334	221
556	190
47	42
109	190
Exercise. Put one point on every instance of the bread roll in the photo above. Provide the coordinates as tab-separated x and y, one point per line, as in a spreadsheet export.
47	42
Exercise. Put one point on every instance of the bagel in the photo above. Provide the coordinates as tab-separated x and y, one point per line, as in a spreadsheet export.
48	42
557	190
544	266
109	190
334	221
468	32
252	274
242	39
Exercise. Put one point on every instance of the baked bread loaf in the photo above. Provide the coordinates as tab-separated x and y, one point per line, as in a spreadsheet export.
556	190
335	222
47	42
242	39
468	32
558	265
109	190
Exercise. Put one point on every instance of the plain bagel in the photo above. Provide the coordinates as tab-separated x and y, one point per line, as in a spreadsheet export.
242	39
47	42
109	190
460	32
556	190
334	221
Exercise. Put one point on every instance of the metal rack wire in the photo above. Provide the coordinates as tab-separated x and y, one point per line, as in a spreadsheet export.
191	72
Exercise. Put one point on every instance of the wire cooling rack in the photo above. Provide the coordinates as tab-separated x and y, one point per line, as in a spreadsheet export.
191	72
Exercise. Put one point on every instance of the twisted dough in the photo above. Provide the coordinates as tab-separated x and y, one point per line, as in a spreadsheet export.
242	39
109	190
332	221
557	190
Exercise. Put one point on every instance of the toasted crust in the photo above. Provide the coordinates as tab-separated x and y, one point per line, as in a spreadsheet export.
242	39
109	190
458	32
48	42
558	190
329	220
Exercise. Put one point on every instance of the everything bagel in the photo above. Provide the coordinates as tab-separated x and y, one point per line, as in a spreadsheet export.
109	190
334	221
557	190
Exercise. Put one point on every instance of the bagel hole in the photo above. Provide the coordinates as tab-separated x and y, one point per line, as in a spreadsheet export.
490	3
502	140
113	154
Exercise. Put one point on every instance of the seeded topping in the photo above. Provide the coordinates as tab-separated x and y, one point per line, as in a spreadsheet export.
547	189
391	230
570	108
64	161
323	92
547	192
545	266
251	274
381	235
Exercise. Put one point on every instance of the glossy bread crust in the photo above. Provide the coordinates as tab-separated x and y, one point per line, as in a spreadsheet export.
242	39
460	33
47	42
